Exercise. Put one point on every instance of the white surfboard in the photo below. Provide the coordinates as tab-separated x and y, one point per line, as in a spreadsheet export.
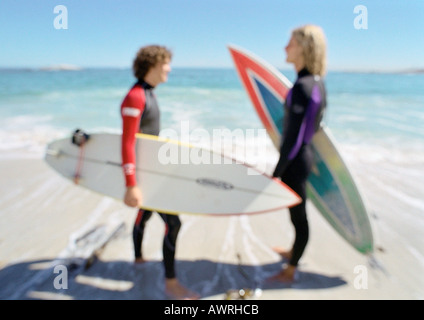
174	178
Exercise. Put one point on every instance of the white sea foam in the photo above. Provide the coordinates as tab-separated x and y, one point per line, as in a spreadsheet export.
26	136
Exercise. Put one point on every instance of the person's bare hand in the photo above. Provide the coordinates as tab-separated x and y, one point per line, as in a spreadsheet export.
132	197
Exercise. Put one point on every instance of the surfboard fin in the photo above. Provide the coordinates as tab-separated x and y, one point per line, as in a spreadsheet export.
53	152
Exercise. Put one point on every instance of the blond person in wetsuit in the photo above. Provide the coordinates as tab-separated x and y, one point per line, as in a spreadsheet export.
304	108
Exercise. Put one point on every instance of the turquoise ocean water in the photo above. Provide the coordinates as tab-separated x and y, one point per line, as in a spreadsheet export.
381	111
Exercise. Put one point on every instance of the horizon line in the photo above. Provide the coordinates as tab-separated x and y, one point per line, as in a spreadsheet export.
76	68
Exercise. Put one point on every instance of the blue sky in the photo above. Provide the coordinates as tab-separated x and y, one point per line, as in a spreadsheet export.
107	33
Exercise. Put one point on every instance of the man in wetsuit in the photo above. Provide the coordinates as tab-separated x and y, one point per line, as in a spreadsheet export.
140	113
304	108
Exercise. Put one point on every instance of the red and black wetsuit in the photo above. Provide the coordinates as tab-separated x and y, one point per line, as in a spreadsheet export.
304	108
140	113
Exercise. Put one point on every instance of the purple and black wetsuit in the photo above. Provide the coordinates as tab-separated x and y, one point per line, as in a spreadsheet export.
304	109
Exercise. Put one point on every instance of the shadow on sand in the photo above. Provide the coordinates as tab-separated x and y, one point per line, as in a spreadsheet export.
124	280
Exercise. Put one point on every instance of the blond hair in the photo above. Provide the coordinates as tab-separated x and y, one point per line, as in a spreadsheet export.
312	39
147	57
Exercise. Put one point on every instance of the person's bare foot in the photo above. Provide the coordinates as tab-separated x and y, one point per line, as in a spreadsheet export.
139	260
175	290
282	252
287	275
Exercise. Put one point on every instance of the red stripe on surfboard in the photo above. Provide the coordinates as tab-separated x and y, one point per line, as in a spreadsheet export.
244	64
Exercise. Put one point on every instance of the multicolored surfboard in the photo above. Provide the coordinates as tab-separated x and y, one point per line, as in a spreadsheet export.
330	185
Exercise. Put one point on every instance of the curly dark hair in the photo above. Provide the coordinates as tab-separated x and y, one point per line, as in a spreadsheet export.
147	57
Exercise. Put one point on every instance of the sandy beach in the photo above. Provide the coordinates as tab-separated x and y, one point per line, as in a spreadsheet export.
50	225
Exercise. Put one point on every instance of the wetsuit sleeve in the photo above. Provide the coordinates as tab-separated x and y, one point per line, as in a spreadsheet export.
131	110
293	135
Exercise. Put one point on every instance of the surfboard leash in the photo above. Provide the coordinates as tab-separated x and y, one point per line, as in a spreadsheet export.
79	138
244	293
